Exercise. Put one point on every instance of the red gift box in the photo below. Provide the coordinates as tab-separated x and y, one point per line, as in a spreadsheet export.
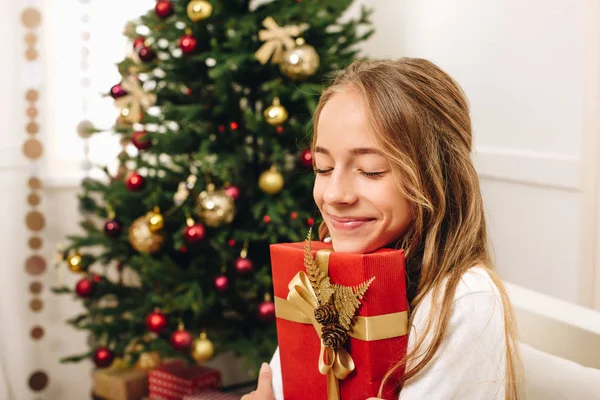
174	380
300	347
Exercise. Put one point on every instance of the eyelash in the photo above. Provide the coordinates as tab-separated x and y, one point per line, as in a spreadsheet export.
367	174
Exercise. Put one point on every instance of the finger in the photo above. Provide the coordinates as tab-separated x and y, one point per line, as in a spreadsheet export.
265	382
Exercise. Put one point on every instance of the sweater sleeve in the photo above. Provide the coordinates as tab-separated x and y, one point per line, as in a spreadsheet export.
277	380
470	363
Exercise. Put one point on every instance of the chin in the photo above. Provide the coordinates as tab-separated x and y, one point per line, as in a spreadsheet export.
354	246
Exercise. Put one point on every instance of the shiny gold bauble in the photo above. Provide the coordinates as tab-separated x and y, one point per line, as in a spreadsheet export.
202	348
198	10
75	263
276	114
300	62
148	361
156	221
215	207
271	181
142	238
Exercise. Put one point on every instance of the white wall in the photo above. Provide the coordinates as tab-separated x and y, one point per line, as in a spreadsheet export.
521	65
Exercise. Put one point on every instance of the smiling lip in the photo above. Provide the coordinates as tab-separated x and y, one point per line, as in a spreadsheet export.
348	223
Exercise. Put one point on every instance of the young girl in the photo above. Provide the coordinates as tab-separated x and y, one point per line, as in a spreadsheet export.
391	149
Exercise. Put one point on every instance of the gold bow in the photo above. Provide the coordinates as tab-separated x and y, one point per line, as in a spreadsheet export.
336	364
276	38
135	99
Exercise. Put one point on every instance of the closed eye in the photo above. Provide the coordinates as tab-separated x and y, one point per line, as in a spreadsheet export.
372	174
322	171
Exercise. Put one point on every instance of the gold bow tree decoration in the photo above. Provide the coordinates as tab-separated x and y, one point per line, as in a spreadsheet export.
276	40
135	100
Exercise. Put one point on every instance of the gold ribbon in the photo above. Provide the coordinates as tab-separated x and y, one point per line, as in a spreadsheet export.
336	364
276	38
135	99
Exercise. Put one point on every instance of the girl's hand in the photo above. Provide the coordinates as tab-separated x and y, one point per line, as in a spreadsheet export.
264	388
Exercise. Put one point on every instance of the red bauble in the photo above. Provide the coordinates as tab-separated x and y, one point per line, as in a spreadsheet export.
97	278
141	140
163	8
221	283
181	340
139	42
156	321
233	192
112	228
194	234
117	91
85	287
243	265
134	181
266	219
234	125
231	242
293	215
280	129
310	221
103	357
146	53
187	44
306	158
266	311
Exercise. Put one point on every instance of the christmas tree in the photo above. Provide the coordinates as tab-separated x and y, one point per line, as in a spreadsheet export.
215	105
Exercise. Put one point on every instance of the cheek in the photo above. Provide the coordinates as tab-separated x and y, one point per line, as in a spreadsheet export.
318	193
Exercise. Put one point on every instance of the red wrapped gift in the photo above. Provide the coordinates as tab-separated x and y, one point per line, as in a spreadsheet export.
212	395
378	334
174	380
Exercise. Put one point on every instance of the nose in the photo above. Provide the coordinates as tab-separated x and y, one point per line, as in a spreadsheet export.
340	189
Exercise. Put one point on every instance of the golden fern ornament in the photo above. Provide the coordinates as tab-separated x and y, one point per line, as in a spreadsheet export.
345	299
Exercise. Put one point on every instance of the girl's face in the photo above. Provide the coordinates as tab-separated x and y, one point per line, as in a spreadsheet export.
354	187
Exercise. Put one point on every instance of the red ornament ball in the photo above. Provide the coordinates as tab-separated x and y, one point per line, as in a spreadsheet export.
97	278
306	158
156	321
183	249
163	8
134	181
187	44
85	287
243	265
234	125
233	192
146	53
221	128
141	140
279	129
231	242
221	283
194	234
181	340
293	215
103	357
266	219
139	42
112	228
266	311
310	221
117	91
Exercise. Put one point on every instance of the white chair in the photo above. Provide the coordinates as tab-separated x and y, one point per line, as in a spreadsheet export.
560	346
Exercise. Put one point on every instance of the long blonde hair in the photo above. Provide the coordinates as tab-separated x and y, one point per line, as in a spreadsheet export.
420	118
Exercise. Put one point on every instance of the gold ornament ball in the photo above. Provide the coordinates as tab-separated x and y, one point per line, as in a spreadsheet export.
142	238
300	62
271	181
75	263
215	207
276	114
202	348
156	221
198	10
148	361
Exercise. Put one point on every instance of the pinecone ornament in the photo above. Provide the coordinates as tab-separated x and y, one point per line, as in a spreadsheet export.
334	335
326	314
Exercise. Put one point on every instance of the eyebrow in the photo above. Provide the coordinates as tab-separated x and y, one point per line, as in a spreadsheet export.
357	151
